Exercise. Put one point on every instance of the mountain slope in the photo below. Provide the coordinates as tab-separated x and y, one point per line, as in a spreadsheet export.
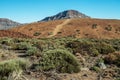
12	34
68	14
80	28
6	23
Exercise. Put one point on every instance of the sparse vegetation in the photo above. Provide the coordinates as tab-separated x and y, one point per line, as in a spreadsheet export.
77	30
94	26
62	55
118	29
50	33
36	33
104	48
59	32
108	28
91	48
30	29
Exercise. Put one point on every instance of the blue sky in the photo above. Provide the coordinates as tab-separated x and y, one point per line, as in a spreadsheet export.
25	11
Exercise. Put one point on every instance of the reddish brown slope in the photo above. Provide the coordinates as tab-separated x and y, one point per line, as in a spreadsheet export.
7	33
44	29
81	28
92	28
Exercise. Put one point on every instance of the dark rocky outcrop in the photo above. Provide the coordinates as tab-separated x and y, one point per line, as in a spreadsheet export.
68	14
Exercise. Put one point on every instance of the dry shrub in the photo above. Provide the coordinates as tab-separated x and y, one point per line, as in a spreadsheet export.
113	58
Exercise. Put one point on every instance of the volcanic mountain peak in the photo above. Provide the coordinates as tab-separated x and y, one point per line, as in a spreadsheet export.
7	23
68	14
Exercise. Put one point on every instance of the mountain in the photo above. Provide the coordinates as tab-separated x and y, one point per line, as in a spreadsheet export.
6	23
68	14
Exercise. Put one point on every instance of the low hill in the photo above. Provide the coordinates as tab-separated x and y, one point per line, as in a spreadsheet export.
80	28
7	23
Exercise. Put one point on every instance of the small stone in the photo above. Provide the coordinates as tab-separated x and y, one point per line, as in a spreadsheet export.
84	69
102	65
73	79
85	75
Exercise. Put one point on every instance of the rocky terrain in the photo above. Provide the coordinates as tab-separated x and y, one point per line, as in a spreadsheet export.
6	23
68	14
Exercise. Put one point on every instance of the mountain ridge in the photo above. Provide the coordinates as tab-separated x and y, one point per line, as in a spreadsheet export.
7	23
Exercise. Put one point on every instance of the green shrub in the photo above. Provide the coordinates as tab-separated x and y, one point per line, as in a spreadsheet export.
36	33
39	45
6	41
95	68
115	43
32	51
0	46
7	67
101	60
21	46
83	47
17	40
60	60
104	48
94	52
93	48
117	79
